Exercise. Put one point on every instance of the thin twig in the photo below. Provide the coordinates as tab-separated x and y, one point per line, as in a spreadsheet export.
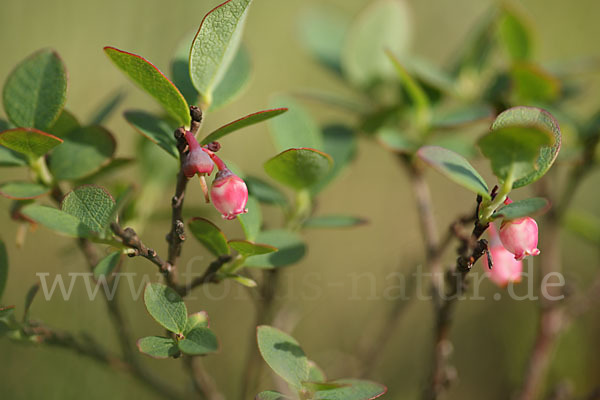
203	383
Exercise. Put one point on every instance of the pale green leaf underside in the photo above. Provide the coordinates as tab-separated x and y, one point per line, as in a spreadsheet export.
23	190
56	220
166	307
157	346
211	237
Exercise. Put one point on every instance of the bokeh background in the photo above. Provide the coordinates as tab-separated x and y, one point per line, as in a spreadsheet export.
491	338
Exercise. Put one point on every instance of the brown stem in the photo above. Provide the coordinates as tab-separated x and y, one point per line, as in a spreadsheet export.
203	383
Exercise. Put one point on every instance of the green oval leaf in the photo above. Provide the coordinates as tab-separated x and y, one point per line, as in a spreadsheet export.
396	141
157	346
10	158
3	267
243	122
339	141
215	45
534	85
522	208
290	249
333	221
92	205
252	220
265	192
83	152
166	307
150	79
283	354
196	320
107	265
23	190
299	168
209	235
584	224
36	90
296	128
247	248
56	220
515	35
461	116
156	129
382	25
454	167
242	280
352	389
29	141
65	124
199	341
234	82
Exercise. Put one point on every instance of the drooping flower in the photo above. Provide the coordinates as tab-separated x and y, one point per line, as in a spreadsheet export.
197	160
520	236
506	268
228	192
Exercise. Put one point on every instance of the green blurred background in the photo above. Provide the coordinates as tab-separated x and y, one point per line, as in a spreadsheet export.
491	338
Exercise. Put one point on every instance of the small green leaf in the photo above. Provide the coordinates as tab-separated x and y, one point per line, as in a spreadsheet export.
283	354
107	108
382	25
296	128
532	84
180	69
333	221
150	79
271	395
196	320
157	346
339	141
353	389
234	82
243	122
92	205
299	168
539	119
154	128
252	220
22	190
166	307
414	90
396	141
210	236
522	208
3	267
56	220
515	36
321	386
462	116
454	167
242	280
107	265
36	90
290	249
215	45
65	124
247	248
10	158
84	152
584	225
315	373
264	192
28	141
199	341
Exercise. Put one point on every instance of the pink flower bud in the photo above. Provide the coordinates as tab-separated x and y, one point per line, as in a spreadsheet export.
197	160
520	237
505	268
229	194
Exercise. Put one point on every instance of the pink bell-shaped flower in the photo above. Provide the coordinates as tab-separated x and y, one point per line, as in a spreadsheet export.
505	269
520	236
229	194
197	160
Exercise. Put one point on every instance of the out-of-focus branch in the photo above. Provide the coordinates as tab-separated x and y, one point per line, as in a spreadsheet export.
203	383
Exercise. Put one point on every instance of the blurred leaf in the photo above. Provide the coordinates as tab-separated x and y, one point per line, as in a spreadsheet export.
107	108
322	31
252	220
92	205
28	141
243	122
337	100
196	320
290	249
264	192
299	168
296	128
394	140
533	84
157	346
315	373
242	280
320	386
476	49
283	354
415	92
199	341
457	143
339	141
29	297
234	82
461	116
154	128
10	158
333	221
215	46
454	167
584	225
515	36
271	395
209	235
180	69
36	90
22	190
3	267
56	220
151	80
107	265
83	152
537	119
428	73
156	167
522	208
65	124
113	166
247	248
166	307
353	389
382	25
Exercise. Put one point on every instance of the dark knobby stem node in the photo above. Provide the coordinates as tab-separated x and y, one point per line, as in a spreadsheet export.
213	146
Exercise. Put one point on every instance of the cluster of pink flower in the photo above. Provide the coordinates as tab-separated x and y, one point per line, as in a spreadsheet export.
518	239
228	192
